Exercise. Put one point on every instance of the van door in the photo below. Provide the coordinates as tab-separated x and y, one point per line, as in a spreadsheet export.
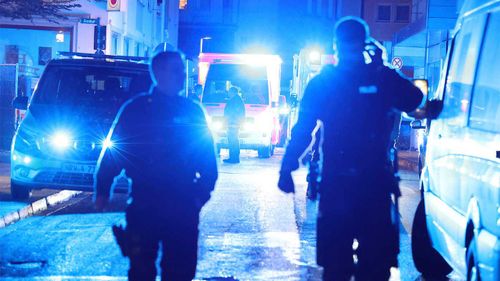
483	134
446	149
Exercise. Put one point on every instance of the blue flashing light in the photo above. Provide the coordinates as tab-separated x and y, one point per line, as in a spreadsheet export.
61	140
107	143
216	125
315	56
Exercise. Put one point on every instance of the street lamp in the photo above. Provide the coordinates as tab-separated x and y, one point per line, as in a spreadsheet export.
201	42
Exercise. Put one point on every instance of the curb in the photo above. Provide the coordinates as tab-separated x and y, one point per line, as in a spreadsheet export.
37	206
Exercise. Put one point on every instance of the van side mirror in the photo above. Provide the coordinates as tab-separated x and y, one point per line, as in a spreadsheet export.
431	109
20	102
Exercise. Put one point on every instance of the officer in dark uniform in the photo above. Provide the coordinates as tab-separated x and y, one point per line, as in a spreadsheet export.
356	103
234	112
163	143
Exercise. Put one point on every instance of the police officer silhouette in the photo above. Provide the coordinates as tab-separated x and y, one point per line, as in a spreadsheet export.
163	143
234	112
357	103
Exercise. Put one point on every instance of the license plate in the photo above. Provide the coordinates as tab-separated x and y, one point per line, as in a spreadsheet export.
78	168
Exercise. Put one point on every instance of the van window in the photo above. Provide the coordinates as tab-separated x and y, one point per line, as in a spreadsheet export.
485	108
89	86
462	68
251	80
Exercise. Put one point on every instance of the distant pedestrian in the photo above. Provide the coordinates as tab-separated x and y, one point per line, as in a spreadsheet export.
234	112
163	143
357	103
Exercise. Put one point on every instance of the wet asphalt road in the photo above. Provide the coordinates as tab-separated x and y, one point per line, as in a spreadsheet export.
249	230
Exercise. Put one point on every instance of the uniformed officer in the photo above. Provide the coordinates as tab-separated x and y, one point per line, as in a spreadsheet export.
357	103
163	143
234	112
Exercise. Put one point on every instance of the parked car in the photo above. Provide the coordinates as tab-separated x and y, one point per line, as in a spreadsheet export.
457	223
68	118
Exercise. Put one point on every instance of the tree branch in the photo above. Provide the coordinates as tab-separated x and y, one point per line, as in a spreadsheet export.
50	10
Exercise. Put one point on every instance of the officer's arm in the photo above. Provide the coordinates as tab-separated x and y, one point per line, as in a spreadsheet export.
205	156
110	161
407	97
302	131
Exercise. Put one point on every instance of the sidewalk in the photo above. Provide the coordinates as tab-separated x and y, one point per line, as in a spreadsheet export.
12	211
408	160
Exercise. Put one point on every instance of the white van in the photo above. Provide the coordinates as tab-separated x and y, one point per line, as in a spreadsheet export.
457	224
69	115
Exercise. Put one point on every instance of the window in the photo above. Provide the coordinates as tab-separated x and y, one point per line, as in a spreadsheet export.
461	74
126	46
251	80
485	108
138	49
182	4
115	43
100	87
384	13
403	13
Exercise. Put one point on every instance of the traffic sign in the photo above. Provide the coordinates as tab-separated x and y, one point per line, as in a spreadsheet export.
397	62
89	21
114	5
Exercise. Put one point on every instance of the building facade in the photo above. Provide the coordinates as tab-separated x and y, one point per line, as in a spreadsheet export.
134	28
423	44
208	24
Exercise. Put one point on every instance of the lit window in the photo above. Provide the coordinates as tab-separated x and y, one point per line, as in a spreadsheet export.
403	13
183	4
384	13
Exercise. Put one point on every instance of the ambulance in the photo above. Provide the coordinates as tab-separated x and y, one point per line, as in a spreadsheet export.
258	78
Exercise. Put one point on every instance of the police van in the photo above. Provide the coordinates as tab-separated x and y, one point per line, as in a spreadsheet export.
67	120
457	224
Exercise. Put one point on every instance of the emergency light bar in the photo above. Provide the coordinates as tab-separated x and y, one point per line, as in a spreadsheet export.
98	56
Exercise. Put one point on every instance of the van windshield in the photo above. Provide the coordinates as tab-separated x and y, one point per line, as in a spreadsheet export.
251	80
90	86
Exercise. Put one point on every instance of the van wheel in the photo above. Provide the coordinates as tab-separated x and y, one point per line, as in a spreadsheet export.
19	192
472	263
427	260
265	152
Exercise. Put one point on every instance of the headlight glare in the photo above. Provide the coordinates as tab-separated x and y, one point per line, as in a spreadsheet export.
61	140
284	110
248	126
107	143
217	125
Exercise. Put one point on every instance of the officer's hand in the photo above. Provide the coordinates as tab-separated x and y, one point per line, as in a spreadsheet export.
101	202
376	51
285	182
